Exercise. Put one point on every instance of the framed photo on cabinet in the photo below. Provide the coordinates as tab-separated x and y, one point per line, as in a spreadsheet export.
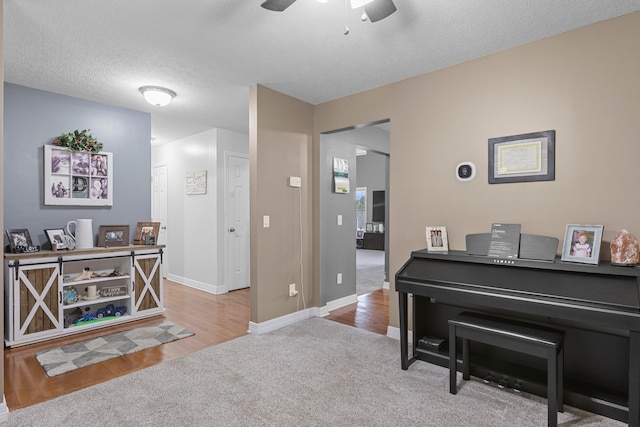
113	235
146	232
77	178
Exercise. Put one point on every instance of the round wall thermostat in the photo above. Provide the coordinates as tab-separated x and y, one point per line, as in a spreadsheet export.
465	171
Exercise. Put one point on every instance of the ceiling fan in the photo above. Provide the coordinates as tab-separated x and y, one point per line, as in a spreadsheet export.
374	9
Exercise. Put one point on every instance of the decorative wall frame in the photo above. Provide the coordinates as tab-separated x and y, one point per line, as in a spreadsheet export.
144	229
582	243
196	182
521	158
437	240
113	235
77	178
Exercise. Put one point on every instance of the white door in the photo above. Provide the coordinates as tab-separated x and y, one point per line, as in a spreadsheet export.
159	206
237	221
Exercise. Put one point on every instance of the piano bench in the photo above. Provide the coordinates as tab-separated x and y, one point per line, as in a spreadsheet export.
521	337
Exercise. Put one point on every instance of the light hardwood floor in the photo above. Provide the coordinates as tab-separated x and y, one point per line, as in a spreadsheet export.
213	318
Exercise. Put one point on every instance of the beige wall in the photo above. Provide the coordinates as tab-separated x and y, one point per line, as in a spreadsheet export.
281	130
583	84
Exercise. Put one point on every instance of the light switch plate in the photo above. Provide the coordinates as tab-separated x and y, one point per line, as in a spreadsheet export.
295	181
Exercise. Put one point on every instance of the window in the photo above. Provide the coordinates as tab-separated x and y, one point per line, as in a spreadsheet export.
361	207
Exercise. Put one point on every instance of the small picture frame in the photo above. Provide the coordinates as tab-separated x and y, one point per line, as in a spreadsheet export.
582	243
369	227
143	232
437	240
20	241
54	235
113	235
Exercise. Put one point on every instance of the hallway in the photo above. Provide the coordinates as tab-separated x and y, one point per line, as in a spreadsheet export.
369	271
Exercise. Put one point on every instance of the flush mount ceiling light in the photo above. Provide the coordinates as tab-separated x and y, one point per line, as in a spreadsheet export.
156	95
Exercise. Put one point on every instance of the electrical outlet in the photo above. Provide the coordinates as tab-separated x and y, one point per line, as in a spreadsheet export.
339	279
292	290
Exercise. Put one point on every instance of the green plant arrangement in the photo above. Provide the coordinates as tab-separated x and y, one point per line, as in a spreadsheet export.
79	141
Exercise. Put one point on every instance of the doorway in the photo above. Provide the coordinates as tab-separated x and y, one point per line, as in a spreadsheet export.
236	221
371	179
338	260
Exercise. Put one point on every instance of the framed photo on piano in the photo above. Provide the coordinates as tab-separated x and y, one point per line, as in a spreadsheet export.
437	239
582	243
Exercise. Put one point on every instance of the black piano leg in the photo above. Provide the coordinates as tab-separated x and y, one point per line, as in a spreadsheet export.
634	379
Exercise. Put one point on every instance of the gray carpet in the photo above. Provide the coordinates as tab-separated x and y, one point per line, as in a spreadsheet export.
73	356
314	373
369	271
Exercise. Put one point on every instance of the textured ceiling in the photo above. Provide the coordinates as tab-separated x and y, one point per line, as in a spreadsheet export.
211	51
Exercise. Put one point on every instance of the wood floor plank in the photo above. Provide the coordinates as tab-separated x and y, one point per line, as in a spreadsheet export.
213	318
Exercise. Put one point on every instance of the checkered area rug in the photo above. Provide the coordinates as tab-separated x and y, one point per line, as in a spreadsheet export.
73	356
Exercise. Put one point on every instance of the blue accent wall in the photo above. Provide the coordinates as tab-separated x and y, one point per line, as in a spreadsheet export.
34	118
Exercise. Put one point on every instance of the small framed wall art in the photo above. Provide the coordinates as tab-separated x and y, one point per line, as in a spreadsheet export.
437	240
521	158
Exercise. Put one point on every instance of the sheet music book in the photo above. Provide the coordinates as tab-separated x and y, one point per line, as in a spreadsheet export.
505	241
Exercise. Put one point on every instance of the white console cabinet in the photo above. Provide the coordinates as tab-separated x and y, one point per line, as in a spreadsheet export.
51	294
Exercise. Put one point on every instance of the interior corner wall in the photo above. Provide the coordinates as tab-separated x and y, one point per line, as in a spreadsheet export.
191	254
337	242
34	118
281	131
582	84
195	223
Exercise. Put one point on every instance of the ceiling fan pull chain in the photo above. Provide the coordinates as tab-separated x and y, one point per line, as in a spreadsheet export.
346	9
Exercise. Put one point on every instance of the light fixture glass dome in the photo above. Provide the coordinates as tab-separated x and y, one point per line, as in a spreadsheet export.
156	95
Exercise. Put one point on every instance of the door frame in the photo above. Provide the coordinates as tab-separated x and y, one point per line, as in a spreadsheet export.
225	220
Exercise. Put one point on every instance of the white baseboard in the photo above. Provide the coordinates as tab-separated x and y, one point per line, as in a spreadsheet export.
207	287
341	302
282	321
393	332
4	411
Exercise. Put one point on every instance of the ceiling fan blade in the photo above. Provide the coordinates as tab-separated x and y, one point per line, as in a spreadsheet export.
379	9
277	5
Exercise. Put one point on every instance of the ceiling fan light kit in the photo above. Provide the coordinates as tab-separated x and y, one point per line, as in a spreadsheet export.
157	95
374	10
277	5
377	10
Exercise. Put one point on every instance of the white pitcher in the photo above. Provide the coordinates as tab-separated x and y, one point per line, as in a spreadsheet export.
83	233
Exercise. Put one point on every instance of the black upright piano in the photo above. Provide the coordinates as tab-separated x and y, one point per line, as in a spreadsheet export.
598	307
